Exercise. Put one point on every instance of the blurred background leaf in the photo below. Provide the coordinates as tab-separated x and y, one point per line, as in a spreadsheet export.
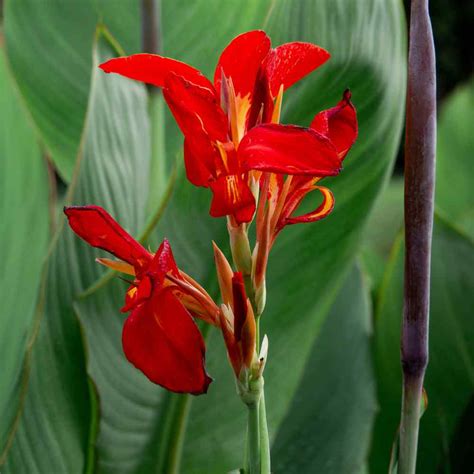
24	231
49	45
455	163
328	426
56	431
450	377
385	222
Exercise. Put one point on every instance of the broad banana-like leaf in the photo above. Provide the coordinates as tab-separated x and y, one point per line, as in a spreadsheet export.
454	163
24	230
58	408
449	381
49	44
328	426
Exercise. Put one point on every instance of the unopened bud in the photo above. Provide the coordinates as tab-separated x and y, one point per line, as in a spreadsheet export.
260	297
249	337
240	247
224	274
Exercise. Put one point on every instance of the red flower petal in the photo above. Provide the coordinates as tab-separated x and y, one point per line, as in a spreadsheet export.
241	61
163	262
200	157
153	69
321	211
161	339
232	196
290	62
339	124
137	294
195	107
288	149
99	229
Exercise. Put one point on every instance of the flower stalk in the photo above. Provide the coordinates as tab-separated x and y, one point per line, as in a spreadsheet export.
420	144
258	443
253	438
151	40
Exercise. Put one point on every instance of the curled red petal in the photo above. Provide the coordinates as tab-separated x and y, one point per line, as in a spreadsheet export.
99	229
290	62
153	69
320	212
161	339
195	107
339	124
232	196
288	149
241	61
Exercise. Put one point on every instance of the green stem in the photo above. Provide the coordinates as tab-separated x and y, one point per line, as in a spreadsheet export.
409	425
253	438
264	438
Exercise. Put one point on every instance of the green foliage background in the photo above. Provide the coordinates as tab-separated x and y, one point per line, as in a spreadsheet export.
69	400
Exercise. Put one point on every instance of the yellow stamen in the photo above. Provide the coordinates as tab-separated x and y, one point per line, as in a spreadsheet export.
117	265
233	119
237	113
132	292
277	109
243	106
220	147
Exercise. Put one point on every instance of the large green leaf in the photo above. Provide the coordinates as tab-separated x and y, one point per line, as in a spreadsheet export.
450	375
112	171
455	166
24	230
328	425
308	263
383	225
49	44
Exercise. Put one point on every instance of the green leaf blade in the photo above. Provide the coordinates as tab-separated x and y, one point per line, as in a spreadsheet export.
24	230
54	432
49	46
449	380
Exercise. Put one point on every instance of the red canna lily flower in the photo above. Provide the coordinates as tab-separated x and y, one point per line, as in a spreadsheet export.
215	118
337	127
160	336
280	196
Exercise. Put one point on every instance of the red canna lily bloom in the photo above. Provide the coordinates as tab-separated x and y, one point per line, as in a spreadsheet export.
281	196
215	118
160	336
